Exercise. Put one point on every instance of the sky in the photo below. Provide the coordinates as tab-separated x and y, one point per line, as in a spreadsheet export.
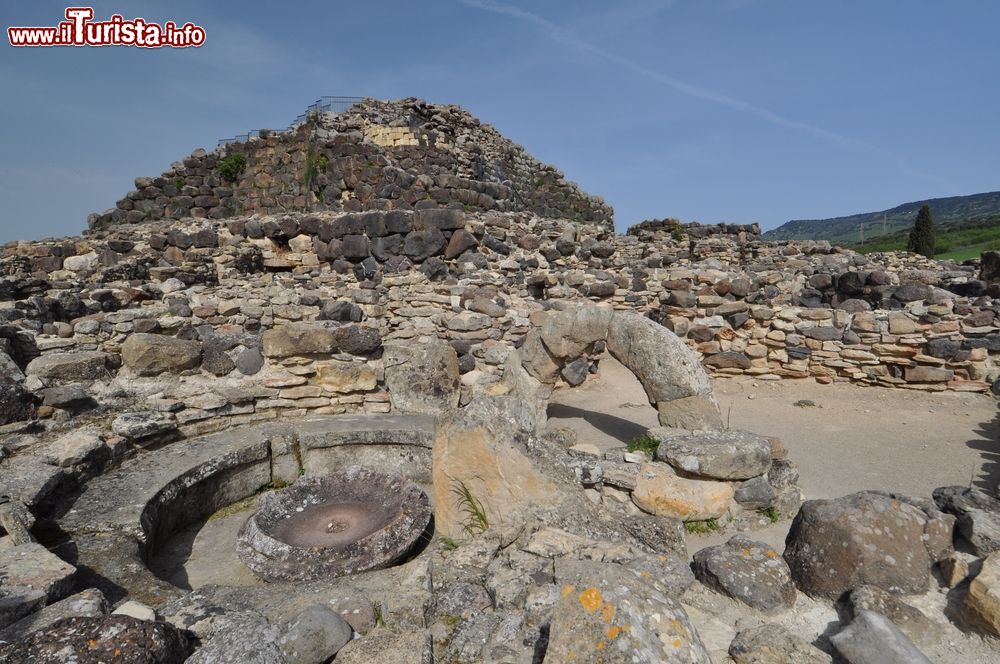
704	110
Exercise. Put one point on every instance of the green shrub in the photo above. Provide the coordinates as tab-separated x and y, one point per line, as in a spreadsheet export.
644	443
232	167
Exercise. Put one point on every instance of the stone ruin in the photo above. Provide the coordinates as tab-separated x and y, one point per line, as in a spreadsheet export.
368	322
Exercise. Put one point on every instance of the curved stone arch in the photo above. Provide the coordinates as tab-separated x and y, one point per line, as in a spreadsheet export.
670	373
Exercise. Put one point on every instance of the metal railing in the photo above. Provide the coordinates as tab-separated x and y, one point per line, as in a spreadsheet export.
325	104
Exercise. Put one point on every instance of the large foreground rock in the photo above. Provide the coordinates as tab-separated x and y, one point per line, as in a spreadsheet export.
749	571
30	577
85	640
154	354
386	646
982	604
477	450
315	635
864	538
871	638
238	637
722	455
87	603
608	613
917	626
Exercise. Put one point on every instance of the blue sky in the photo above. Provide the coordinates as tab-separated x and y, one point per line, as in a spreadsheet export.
707	110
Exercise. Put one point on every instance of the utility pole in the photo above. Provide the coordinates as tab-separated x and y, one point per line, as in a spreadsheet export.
862	227
883	223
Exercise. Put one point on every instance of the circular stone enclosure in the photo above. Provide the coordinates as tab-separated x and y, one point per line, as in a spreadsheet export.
350	521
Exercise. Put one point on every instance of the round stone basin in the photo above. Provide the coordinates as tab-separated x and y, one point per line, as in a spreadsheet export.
350	521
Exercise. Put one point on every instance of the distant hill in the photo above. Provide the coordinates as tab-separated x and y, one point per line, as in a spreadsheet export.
847	230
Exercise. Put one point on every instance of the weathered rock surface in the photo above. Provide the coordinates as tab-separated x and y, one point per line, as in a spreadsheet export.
387	646
746	570
31	577
773	644
607	613
154	354
67	367
298	339
92	640
16	403
660	490
978	515
87	604
871	638
864	538
721	455
422	379
982	604
238	637
315	635
475	449
912	621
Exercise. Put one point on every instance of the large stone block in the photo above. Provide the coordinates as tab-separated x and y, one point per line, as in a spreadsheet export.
78	366
421	379
660	490
721	455
864	538
474	450
154	354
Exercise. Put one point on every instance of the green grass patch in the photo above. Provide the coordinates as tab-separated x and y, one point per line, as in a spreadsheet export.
956	241
772	514
644	443
449	544
702	527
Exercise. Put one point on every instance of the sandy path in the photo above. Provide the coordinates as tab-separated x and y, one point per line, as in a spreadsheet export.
855	438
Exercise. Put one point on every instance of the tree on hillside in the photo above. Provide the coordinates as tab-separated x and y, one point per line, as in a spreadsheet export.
922	235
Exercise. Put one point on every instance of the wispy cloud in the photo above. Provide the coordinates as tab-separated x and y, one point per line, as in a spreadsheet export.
567	37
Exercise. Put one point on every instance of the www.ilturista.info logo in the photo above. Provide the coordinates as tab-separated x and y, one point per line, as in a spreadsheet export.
79	29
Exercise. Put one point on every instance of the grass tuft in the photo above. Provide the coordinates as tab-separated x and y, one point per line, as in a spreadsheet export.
702	527
772	514
476	521
644	443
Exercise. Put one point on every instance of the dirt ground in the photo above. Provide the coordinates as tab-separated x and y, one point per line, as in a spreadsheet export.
853	438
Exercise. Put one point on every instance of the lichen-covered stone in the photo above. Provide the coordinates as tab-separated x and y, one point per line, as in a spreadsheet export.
749	571
607	613
96	640
864	538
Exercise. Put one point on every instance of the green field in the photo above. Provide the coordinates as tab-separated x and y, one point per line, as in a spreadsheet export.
956	241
